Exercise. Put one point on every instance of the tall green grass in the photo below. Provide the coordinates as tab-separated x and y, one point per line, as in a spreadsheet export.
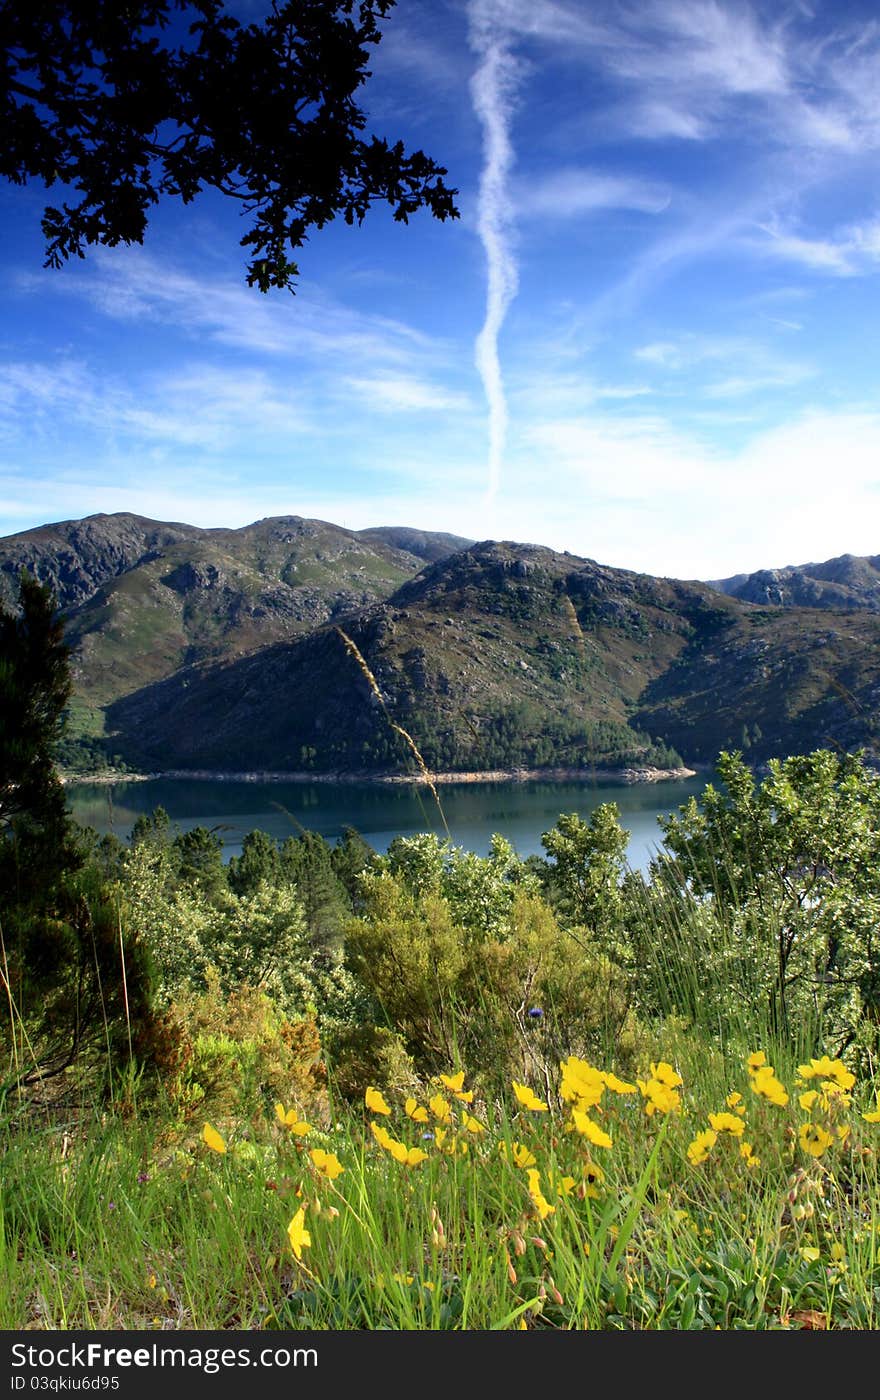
112	1220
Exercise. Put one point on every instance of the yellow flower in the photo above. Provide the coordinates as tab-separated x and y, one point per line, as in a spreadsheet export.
619	1086
593	1178
832	1095
735	1102
814	1139
454	1083
809	1252
327	1162
727	1123
415	1111
440	1108
473	1125
659	1097
289	1118
807	1100
872	1117
756	1060
382	1135
407	1156
527	1098
746	1151
439	1135
666	1075
766	1085
298	1235
521	1155
581	1083
565	1185
701	1146
588	1129
826	1068
375	1102
213	1138
543	1205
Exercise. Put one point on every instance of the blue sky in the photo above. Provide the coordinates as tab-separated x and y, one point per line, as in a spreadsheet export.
652	339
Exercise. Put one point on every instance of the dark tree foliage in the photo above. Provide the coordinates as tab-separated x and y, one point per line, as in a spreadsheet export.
35	832
73	985
125	104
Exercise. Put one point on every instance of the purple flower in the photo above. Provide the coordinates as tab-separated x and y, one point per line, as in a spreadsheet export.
142	1177
536	1013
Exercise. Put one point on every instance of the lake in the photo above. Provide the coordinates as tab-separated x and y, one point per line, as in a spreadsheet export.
520	811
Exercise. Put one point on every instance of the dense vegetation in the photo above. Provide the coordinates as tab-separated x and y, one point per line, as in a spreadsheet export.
321	1087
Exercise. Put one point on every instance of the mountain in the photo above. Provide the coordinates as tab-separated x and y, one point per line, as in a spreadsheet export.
293	644
847	582
143	598
507	655
424	544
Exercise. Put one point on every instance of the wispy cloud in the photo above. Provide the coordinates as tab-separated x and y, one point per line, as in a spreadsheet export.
571	192
846	253
196	406
751	366
492	88
130	285
406	394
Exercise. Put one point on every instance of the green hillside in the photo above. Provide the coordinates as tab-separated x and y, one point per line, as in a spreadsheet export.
292	644
506	655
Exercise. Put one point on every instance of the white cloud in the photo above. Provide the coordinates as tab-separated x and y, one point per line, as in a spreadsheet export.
130	285
405	394
569	193
849	251
492	93
195	406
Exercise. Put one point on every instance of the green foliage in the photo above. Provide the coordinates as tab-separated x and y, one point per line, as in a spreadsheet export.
585	880
235	1054
771	890
467	962
76	985
36	846
307	863
259	863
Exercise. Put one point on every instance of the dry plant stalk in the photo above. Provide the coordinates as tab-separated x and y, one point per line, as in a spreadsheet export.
355	651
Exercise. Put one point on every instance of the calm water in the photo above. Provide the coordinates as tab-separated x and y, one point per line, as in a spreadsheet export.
520	811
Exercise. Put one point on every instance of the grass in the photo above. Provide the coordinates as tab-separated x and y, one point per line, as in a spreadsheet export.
128	1219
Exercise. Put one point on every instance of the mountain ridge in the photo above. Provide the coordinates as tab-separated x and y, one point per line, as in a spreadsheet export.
294	644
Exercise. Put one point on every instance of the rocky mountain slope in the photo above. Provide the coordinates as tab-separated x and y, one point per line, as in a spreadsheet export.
510	655
293	644
143	598
847	582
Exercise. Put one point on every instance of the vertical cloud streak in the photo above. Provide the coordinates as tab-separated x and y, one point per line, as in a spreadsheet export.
491	93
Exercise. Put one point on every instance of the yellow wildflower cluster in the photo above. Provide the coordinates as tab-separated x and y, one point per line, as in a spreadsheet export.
440	1109
407	1156
660	1089
582	1086
289	1118
763	1080
829	1095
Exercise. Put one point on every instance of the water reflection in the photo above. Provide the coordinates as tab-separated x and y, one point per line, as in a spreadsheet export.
520	811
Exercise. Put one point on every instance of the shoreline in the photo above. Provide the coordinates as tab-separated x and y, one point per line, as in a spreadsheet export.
629	775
